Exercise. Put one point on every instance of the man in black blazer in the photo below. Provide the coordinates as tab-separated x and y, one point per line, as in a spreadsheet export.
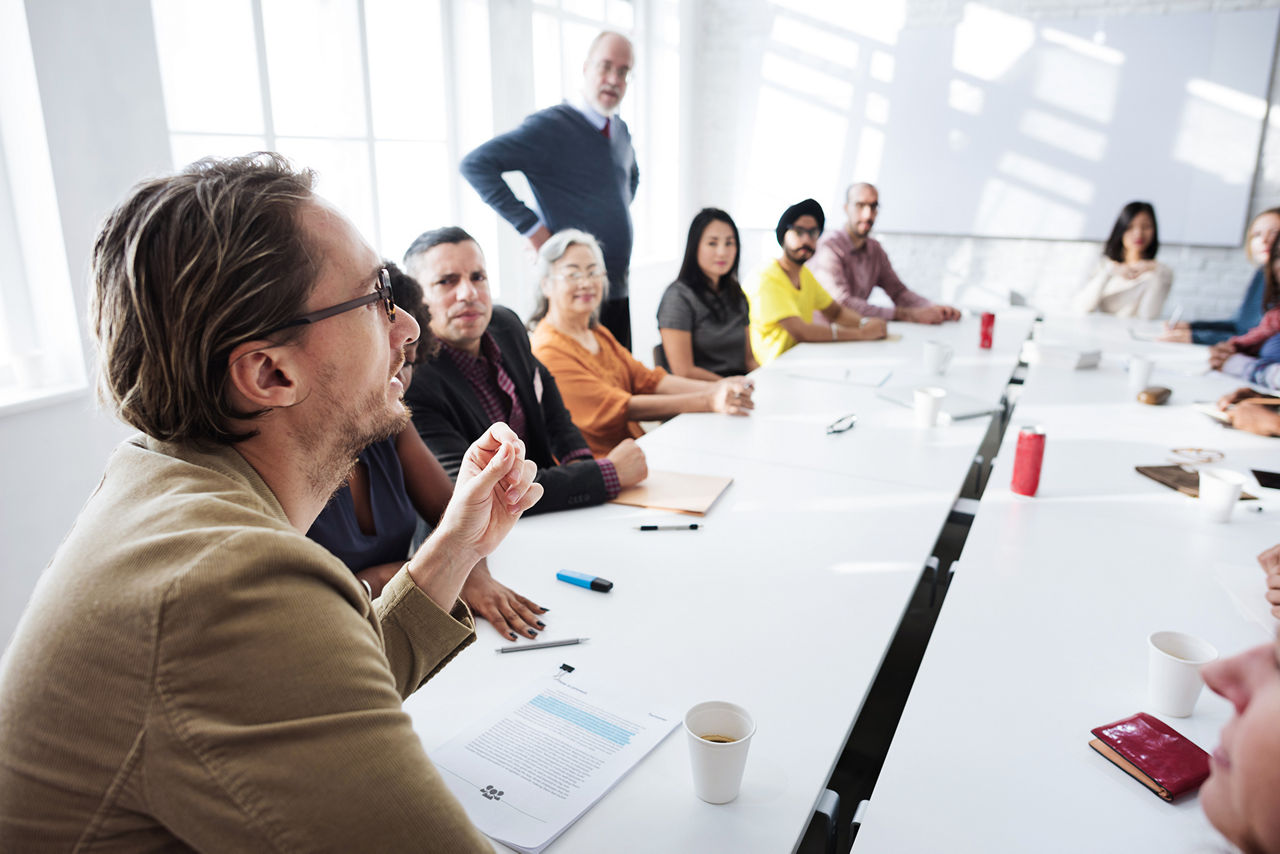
485	372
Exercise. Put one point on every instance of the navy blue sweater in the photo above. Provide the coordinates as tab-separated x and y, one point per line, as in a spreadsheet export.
580	179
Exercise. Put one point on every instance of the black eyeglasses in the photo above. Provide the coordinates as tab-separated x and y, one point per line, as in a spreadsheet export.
381	291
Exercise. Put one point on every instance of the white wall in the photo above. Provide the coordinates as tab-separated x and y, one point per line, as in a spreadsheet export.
99	82
733	36
104	115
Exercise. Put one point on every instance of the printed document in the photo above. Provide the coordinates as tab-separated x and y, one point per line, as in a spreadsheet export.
541	760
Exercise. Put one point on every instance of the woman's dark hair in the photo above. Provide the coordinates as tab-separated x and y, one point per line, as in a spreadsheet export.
409	299
1271	287
1115	243
730	292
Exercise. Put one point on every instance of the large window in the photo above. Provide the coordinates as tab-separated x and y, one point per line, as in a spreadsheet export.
383	97
359	90
40	351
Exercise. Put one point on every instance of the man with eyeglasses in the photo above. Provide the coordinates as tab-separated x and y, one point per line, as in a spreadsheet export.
192	672
851	264
486	372
578	159
786	299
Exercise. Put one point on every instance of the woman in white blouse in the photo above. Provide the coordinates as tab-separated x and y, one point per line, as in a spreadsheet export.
1128	281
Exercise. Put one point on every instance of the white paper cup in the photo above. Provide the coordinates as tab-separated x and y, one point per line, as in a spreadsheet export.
1140	368
1174	660
937	357
717	766
928	403
1219	491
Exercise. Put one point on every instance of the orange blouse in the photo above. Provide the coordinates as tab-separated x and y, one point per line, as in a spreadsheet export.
596	387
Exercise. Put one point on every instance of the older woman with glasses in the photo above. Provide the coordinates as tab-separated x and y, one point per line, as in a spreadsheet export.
605	388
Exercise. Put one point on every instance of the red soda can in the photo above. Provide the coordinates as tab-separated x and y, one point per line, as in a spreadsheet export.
988	330
1026	463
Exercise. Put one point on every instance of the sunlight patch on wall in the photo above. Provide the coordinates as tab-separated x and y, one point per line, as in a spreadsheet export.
1084	47
1077	83
816	42
1064	135
965	97
988	42
881	20
1216	136
1007	208
1046	177
802	78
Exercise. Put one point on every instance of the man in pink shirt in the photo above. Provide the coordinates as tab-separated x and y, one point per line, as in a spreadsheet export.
849	263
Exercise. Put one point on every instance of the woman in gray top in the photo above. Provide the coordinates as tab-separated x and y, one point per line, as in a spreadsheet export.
703	314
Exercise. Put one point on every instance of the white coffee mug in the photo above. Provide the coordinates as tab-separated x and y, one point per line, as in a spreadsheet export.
719	736
1219	491
1174	660
928	405
1140	368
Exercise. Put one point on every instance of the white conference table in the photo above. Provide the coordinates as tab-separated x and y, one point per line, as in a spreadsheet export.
802	392
785	601
1043	633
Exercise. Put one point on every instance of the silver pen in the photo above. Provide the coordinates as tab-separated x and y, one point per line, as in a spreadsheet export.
544	645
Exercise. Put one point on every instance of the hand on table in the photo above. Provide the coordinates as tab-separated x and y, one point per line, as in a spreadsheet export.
1235	397
1273	593
1255	418
1179	333
1219	353
510	613
628	461
930	314
733	396
872	329
1270	560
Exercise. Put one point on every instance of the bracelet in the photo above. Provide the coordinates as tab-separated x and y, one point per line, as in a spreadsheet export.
834	335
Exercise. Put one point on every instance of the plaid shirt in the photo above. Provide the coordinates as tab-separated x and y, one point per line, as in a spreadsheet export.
500	402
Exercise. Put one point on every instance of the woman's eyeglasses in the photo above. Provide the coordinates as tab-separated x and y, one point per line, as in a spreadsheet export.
577	277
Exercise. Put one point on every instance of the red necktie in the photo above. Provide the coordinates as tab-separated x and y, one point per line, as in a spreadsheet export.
605	130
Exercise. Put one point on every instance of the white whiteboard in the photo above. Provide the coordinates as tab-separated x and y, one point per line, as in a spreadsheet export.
1006	127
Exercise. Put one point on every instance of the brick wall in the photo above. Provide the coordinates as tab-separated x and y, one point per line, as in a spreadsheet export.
1208	282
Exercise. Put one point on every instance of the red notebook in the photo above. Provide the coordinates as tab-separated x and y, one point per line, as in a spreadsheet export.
1153	753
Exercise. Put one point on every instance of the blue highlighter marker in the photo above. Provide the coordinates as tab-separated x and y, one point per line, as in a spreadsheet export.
581	579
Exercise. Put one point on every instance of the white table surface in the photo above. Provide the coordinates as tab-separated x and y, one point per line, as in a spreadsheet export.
785	602
1043	633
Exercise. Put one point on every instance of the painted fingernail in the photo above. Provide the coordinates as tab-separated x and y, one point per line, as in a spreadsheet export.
541	624
532	633
511	635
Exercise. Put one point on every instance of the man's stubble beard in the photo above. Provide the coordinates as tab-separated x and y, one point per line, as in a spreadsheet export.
344	430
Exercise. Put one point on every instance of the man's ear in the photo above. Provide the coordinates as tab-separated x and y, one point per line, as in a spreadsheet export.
262	375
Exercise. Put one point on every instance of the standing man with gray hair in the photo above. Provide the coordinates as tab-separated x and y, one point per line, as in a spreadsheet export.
192	672
578	159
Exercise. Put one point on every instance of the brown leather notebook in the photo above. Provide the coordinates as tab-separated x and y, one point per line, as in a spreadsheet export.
1176	477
